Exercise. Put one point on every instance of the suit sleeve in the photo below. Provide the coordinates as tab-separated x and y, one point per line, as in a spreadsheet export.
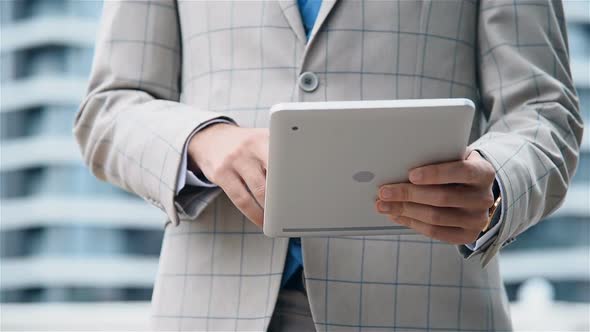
131	127
534	130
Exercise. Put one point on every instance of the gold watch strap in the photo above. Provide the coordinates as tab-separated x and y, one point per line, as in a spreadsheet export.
492	212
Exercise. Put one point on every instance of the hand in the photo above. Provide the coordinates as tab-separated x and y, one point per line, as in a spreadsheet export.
235	159
447	202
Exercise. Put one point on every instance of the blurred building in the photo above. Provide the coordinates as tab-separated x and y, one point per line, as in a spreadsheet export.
66	237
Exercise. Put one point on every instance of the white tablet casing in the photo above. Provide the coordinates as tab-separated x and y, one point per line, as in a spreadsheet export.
328	159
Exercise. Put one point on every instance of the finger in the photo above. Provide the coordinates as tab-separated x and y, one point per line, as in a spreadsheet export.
437	195
261	149
446	234
439	216
474	171
238	193
254	177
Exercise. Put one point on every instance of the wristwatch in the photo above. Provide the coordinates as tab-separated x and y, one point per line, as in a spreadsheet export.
492	212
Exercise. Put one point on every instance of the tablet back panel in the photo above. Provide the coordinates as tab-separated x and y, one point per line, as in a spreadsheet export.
328	159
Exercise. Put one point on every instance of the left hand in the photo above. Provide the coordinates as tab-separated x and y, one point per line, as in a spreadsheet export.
447	202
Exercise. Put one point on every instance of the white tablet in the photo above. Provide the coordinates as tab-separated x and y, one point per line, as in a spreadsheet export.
328	159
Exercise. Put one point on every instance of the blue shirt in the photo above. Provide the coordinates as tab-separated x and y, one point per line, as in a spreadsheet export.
309	12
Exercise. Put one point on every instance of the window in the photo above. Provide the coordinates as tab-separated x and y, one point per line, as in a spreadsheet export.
59	179
72	239
579	40
51	120
554	233
582	176
24	9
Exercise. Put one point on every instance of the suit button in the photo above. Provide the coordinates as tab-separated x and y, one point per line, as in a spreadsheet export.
308	81
507	242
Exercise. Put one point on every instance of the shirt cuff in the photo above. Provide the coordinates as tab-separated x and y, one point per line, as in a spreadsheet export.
186	176
485	239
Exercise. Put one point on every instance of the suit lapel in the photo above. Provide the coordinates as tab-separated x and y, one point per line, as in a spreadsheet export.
291	12
325	9
293	16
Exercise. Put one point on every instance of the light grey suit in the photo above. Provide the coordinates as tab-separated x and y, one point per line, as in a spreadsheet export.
163	67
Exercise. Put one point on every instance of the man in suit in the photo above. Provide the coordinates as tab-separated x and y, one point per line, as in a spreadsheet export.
177	109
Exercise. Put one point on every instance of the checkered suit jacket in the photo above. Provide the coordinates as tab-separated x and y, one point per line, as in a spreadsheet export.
164	67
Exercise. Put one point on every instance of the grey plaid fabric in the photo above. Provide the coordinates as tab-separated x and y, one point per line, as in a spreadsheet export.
163	67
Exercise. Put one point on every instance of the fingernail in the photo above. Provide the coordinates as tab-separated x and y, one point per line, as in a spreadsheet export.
416	175
384	207
386	193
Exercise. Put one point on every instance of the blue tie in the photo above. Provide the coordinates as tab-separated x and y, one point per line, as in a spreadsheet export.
309	12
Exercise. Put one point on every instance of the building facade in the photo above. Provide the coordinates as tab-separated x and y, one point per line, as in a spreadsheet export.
64	236
67	237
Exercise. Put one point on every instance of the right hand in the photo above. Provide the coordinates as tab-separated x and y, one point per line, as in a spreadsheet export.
235	159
